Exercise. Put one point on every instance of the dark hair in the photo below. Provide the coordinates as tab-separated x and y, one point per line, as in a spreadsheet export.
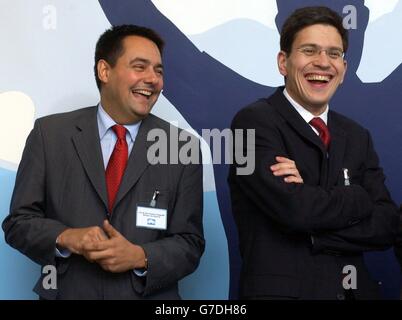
110	44
308	16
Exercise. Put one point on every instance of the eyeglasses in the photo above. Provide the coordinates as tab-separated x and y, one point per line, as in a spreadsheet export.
313	51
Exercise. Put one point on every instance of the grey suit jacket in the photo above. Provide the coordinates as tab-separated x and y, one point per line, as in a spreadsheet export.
61	184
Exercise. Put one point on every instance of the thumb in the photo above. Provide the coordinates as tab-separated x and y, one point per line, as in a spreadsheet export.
110	231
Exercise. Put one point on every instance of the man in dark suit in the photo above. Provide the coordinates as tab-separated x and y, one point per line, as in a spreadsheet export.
316	200
90	198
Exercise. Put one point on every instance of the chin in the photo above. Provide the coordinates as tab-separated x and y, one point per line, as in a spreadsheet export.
143	110
142	114
321	100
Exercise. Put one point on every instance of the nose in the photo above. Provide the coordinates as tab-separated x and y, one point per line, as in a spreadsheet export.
322	59
151	76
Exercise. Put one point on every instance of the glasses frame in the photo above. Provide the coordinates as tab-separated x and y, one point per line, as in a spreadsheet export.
316	51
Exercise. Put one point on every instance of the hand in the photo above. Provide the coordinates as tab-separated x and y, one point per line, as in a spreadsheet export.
74	239
286	167
115	254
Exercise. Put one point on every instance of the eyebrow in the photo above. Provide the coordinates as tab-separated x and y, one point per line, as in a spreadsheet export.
317	46
146	61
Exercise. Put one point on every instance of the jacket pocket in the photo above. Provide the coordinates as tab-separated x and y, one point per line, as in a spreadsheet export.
278	285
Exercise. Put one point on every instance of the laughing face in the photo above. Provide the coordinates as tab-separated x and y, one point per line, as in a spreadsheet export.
312	69
132	86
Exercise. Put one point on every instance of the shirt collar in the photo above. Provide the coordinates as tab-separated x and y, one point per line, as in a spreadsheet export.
106	122
305	114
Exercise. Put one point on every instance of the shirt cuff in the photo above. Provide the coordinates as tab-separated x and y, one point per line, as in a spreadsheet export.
62	253
140	272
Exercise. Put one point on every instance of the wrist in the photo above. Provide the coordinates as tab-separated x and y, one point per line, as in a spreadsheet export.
62	239
59	239
141	261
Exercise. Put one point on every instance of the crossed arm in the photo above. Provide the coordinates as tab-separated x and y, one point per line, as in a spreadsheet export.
353	239
287	168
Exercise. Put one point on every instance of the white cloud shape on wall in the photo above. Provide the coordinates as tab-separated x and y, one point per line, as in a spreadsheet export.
194	16
379	8
17	112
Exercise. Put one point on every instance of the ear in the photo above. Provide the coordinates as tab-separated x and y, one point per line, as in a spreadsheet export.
103	70
345	67
282	63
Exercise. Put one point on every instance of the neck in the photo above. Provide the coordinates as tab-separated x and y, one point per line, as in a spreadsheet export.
316	111
116	113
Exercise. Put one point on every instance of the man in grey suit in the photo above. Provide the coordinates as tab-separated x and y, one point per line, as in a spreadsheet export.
88	201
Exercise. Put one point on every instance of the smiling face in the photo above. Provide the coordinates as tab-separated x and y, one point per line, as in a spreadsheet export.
132	86
311	80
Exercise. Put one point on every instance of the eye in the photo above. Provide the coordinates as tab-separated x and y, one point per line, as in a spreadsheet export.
309	51
335	54
159	71
139	67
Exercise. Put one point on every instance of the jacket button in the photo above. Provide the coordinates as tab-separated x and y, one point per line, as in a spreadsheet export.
340	296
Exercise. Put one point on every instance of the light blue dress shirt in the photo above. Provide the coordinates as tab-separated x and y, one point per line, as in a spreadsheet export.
107	136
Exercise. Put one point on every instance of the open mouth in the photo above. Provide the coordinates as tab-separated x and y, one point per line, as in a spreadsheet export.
143	92
318	78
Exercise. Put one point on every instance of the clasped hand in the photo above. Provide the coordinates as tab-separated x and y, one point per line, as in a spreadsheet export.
107	247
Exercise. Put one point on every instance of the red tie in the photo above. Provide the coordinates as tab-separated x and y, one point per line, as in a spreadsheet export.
117	164
322	129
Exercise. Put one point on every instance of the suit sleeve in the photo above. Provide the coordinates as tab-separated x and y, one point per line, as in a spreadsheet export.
375	232
178	254
297	207
27	228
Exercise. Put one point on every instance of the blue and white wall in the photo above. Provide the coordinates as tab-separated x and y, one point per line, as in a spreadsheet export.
46	64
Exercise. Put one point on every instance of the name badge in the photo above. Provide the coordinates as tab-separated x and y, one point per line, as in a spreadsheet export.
152	218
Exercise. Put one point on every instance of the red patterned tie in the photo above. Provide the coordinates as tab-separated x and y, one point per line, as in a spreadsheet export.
322	129
116	165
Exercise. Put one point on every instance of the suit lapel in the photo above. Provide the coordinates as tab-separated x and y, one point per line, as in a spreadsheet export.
337	148
289	113
137	162
338	136
87	144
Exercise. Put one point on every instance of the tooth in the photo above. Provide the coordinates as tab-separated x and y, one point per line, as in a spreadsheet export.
144	92
318	77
